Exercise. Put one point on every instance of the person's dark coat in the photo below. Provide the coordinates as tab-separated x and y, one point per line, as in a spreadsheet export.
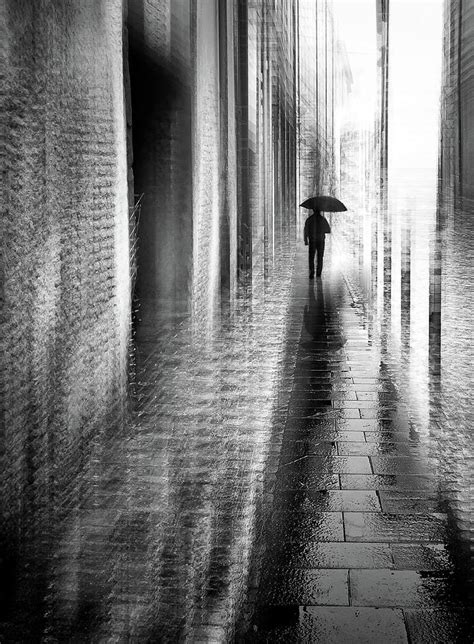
315	227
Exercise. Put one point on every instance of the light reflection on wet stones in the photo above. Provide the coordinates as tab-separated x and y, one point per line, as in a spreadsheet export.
310	624
438	626
312	555
382	474
305	587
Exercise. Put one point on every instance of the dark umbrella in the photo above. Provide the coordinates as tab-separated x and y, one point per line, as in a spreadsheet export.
324	204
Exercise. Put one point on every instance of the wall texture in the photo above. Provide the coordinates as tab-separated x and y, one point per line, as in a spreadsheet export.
455	258
65	317
456	204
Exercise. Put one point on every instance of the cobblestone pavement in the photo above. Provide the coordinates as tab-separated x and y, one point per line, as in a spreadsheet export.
361	543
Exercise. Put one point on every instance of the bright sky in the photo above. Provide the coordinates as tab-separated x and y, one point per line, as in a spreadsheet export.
356	26
414	73
415	82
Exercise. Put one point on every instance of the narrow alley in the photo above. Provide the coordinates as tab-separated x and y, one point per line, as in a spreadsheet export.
236	330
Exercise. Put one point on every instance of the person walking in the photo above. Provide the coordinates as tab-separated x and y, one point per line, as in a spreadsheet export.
315	229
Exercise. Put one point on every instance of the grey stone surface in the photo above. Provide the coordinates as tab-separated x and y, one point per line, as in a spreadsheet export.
305	587
410	483
378	526
306	526
331	501
402	588
335	464
421	557
310	554
439	626
332	625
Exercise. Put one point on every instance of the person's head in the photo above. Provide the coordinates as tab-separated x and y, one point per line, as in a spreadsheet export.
316	211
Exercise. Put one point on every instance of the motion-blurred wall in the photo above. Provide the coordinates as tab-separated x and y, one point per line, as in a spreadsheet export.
65	317
214	136
455	255
193	108
457	139
456	199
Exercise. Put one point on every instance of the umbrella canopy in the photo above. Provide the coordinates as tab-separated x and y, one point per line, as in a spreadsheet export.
324	203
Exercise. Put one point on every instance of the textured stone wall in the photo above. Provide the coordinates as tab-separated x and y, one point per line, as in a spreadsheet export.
457	158
65	316
455	255
466	97
455	214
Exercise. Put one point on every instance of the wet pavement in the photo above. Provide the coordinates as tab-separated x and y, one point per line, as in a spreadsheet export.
274	484
363	542
155	543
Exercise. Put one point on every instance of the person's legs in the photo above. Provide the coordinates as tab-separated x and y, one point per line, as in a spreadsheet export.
320	249
311	253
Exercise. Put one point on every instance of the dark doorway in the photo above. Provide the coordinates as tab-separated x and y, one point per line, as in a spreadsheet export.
160	157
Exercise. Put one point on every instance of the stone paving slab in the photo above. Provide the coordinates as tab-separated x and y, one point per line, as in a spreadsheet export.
347	625
372	425
335	464
401	588
313	481
306	587
327	433
309	554
438	626
331	501
369	448
383	436
379	526
387	482
300	450
306	526
402	465
301	428
421	556
394	502
302	397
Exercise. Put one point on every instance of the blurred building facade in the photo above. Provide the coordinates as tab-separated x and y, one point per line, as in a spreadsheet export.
411	246
187	129
215	84
452	295
66	285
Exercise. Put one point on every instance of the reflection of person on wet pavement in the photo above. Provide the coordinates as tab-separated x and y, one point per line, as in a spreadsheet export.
315	229
315	312
317	319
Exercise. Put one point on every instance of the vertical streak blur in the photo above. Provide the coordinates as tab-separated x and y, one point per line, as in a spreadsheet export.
389	171
414	107
414	253
452	292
